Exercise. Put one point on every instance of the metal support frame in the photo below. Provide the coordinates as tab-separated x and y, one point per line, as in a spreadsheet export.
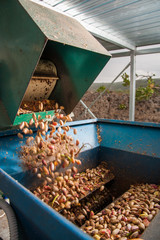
89	111
151	50
109	85
132	86
88	108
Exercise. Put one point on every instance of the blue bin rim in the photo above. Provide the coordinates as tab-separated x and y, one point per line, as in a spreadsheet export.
14	131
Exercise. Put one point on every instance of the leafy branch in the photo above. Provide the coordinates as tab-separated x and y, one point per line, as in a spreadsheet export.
126	81
142	93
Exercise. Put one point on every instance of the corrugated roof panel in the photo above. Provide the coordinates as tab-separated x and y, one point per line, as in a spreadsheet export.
102	11
109	46
121	17
134	22
125	9
136	19
86	6
142	23
146	40
83	6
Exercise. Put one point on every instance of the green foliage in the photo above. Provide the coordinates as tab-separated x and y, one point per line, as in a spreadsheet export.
101	89
122	106
126	81
144	93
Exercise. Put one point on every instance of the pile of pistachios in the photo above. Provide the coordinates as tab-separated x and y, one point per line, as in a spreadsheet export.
128	216
64	190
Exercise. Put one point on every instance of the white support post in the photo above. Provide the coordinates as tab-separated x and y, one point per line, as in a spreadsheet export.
132	86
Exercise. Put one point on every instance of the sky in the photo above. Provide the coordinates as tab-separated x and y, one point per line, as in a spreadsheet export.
144	64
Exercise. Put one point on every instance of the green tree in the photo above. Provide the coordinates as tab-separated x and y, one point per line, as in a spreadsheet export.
101	89
142	93
126	81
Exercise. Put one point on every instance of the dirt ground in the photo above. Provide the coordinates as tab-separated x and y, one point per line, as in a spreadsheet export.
108	106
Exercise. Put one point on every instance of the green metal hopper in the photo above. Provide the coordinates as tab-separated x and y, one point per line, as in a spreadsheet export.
32	34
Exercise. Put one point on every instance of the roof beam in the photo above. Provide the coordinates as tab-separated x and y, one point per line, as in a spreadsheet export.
108	37
137	52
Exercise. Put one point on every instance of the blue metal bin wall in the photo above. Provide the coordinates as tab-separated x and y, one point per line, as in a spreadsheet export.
130	149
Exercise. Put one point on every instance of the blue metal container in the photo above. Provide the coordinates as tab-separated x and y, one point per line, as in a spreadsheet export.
131	151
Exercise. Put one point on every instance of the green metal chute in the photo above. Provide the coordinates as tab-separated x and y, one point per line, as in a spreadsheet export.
30	32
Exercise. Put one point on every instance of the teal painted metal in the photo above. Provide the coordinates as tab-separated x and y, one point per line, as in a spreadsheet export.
28	116
21	45
77	69
30	32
